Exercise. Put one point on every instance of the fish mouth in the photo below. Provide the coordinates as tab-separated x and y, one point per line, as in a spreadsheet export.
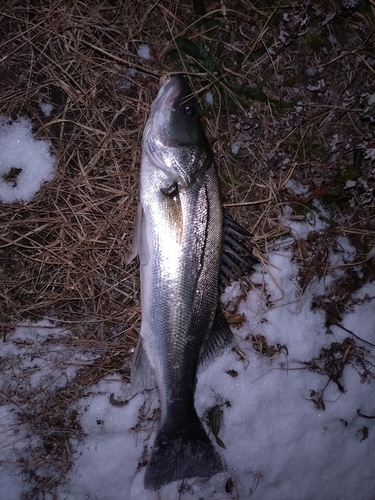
171	93
171	97
166	102
175	90
166	131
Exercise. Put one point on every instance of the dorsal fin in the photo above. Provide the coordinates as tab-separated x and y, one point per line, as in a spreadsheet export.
237	258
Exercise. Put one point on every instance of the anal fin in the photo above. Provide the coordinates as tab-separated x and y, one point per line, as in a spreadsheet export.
142	375
220	337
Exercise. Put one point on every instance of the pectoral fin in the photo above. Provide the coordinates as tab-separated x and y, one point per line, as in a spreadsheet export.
140	243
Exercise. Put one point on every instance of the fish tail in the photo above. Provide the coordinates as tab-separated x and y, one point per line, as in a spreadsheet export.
180	454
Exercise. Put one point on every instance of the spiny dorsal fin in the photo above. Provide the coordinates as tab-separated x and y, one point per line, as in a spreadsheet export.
237	258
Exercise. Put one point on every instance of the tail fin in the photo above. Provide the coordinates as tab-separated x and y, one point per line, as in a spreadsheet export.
181	454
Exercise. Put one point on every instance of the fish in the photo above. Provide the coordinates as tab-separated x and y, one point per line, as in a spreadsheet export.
178	236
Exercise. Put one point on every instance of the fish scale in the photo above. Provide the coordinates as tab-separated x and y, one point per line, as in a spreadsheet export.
184	297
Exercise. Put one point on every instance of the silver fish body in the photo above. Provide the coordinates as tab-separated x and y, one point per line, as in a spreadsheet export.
178	236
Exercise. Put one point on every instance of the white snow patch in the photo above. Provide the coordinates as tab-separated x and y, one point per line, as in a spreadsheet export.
36	360
106	462
344	252
126	81
144	52
236	147
27	158
298	188
210	98
320	86
315	221
369	154
46	107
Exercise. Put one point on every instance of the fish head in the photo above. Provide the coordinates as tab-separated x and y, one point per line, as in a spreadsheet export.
174	138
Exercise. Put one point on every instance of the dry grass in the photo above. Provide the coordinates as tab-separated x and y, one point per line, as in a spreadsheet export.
67	246
63	255
332	362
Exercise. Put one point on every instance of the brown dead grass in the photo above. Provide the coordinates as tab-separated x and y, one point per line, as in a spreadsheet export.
68	245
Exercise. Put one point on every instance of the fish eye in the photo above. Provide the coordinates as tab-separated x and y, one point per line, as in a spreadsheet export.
189	110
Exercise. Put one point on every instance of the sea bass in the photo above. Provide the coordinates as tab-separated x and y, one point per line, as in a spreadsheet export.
178	237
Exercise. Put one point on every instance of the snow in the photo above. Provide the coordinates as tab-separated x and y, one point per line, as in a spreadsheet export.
144	52
363	314
235	147
315	220
289	432
126	81
209	98
35	359
27	161
46	107
296	187
106	462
